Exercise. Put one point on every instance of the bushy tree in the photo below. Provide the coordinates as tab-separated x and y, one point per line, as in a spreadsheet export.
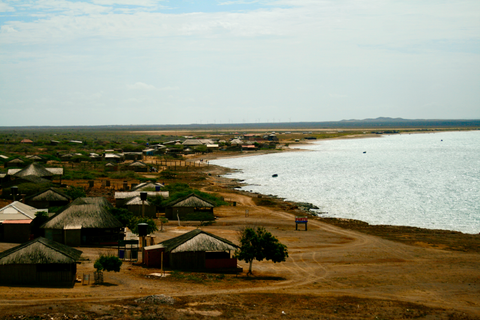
133	226
256	243
108	263
75	192
122	215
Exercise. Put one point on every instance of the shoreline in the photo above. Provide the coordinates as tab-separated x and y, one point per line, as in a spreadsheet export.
416	236
235	183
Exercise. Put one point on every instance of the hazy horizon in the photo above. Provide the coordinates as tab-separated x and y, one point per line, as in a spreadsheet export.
145	62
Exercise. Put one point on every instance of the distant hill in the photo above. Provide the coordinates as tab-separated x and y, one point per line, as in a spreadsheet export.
381	122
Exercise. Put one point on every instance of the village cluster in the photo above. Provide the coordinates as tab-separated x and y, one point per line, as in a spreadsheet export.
48	215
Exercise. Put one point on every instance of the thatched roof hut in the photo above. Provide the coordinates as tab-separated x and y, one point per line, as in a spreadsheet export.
40	251
194	250
88	212
34	169
17	162
85	220
190	204
152	186
48	198
121	197
192	200
198	240
39	262
135	206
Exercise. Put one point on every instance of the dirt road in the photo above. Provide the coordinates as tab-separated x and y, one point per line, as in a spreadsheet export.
325	261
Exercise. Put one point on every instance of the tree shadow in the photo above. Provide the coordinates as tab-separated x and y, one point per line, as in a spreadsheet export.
105	284
269	278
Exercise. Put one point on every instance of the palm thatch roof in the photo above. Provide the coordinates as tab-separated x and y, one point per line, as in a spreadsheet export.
40	251
34	169
17	211
192	142
50	194
197	240
147	185
16	160
136	201
192	201
137	164
35	179
122	195
34	157
89	212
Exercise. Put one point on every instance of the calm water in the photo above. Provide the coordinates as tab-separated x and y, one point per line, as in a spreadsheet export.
423	180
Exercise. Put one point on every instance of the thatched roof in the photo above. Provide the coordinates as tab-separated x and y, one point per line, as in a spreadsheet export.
34	169
137	164
192	200
136	201
34	157
147	185
17	211
192	142
90	213
55	171
131	194
35	179
40	251
17	160
198	240
50	194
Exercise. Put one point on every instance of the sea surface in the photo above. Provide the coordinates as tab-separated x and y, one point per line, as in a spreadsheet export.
429	180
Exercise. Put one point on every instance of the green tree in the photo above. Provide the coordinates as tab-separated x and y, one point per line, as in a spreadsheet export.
75	192
256	243
108	263
122	215
133	226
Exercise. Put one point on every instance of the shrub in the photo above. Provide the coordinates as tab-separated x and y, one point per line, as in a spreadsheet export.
108	263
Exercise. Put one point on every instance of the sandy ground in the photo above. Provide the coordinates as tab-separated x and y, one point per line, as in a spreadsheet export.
331	273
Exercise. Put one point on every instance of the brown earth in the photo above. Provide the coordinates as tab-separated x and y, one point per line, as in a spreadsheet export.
338	269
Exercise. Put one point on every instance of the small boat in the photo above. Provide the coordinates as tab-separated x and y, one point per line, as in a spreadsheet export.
364	151
274	175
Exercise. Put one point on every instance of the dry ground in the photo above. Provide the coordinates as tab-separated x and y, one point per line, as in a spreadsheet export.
331	273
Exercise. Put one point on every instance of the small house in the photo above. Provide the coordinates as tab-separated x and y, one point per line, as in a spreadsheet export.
16	222
138	167
139	208
185	208
195	250
39	262
122	197
17	163
48	198
85	221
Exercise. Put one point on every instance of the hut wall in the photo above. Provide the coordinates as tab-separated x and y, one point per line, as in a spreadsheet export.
62	275
187	260
101	236
171	213
16	233
55	235
150	211
73	237
18	274
220	263
153	258
48	275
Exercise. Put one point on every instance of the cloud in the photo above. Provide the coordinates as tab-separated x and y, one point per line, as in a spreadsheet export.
144	3
7	28
4	7
144	86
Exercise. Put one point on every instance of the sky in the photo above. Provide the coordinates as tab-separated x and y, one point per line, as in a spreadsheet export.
122	62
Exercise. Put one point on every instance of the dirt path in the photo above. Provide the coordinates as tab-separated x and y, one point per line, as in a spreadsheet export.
323	261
